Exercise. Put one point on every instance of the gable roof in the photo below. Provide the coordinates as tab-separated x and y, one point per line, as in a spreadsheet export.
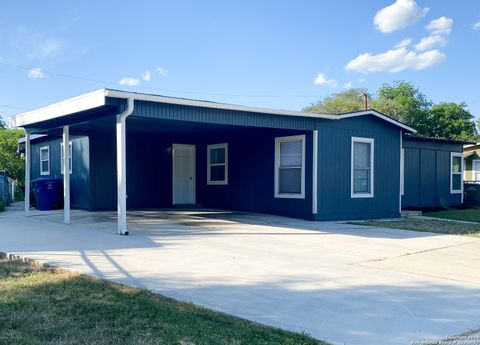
99	97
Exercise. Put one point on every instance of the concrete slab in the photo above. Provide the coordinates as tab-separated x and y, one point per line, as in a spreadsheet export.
344	283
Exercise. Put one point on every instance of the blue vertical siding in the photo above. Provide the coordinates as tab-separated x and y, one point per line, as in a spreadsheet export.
427	173
79	179
334	169
149	171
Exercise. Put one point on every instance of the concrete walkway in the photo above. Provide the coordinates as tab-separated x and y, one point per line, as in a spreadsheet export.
343	283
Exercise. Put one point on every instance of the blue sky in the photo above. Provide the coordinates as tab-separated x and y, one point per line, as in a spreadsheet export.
272	54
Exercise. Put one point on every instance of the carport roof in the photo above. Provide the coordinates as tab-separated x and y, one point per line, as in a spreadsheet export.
92	101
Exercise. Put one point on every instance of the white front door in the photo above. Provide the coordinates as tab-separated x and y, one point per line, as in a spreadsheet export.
183	174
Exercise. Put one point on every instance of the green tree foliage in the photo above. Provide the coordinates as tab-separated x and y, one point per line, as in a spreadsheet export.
343	102
406	103
10	160
2	123
451	120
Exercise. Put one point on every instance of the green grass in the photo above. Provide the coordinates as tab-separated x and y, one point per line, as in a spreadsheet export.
468	215
42	305
437	226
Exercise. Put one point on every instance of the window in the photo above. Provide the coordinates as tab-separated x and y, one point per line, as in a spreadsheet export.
69	158
456	183
362	167
476	170
44	160
290	167
217	164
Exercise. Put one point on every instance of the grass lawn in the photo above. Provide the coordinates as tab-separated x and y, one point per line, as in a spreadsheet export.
438	226
468	215
42	305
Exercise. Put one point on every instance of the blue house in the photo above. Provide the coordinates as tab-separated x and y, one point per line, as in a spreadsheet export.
164	151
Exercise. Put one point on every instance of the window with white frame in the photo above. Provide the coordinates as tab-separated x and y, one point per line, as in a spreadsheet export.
362	167
45	160
217	164
69	158
456	172
475	169
290	167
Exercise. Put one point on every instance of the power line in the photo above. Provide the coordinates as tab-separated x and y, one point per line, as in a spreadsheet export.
105	82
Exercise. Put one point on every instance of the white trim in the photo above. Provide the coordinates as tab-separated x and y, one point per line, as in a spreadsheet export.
370	141
225	164
278	141
44	173
70	158
194	177
456	191
83	102
315	172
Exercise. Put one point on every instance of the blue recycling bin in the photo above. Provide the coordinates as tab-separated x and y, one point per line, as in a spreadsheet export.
48	193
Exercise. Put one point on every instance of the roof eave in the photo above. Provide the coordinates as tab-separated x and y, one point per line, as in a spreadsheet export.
70	106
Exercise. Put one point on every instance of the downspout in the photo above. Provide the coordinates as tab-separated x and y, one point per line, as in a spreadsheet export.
122	169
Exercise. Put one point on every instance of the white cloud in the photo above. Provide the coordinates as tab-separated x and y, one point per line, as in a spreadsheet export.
161	71
35	73
395	60
403	43
129	81
430	42
146	75
476	26
45	48
399	15
348	85
440	26
361	80
324	81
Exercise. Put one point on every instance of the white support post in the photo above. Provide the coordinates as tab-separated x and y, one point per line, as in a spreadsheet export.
121	177
66	175
27	174
315	172
401	175
122	168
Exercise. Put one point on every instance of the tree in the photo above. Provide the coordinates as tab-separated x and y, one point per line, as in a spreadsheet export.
3	125
10	160
452	121
404	102
343	102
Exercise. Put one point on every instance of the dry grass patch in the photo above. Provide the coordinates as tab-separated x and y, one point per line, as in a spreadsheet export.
436	226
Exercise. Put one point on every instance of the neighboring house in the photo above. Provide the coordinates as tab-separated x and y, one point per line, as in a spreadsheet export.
471	156
176	151
432	172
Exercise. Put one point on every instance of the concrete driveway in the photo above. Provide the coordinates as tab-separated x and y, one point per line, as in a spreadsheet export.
343	283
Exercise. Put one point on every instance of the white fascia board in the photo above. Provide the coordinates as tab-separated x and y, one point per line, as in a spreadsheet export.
69	106
214	105
379	115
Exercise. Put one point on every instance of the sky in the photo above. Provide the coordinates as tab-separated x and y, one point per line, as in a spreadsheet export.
273	54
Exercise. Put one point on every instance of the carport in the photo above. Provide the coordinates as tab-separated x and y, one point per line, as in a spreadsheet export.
149	151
